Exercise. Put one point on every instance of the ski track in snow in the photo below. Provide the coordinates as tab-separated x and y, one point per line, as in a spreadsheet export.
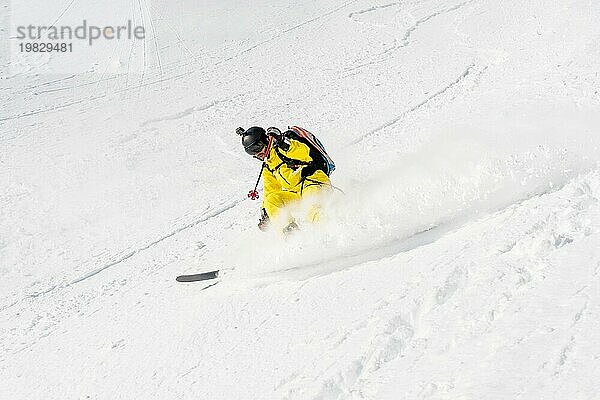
291	29
160	71
207	216
204	218
53	108
371	9
188	111
470	71
405	40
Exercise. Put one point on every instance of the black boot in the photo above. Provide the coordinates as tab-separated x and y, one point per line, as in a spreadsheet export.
263	222
291	227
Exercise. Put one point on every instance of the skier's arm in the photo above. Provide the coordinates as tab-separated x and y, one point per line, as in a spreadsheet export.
270	184
298	151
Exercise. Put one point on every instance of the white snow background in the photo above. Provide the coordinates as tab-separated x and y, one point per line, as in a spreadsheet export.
461	262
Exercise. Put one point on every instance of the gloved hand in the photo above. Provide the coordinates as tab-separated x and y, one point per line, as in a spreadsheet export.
273	131
263	223
278	138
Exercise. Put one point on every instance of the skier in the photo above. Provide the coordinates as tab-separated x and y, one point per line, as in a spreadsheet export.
295	167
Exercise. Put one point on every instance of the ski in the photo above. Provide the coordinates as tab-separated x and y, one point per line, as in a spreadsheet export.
204	276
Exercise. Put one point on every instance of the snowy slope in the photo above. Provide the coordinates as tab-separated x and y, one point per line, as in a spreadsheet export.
463	261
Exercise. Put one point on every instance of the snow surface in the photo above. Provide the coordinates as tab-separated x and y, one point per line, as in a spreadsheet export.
462	262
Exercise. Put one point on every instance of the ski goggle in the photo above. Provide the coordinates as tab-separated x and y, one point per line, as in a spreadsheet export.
261	154
255	148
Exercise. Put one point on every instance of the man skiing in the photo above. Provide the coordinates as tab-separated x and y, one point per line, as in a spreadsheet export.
295	167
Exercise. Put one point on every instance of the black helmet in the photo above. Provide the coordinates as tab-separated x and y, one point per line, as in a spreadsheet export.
254	140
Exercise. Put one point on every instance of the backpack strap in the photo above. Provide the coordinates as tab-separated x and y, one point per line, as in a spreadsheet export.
328	166
290	162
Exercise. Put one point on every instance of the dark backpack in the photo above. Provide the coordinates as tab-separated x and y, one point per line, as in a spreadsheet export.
317	150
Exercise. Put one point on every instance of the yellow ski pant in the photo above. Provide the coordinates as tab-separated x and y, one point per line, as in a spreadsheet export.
278	202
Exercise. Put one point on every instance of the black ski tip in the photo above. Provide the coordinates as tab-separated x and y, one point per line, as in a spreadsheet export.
205	276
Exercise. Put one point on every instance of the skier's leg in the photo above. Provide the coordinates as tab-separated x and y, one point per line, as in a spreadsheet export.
313	187
277	206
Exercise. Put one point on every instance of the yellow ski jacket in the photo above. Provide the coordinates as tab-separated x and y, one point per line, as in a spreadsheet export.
287	170
289	176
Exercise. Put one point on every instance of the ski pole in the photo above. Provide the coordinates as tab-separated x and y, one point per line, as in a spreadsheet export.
253	194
